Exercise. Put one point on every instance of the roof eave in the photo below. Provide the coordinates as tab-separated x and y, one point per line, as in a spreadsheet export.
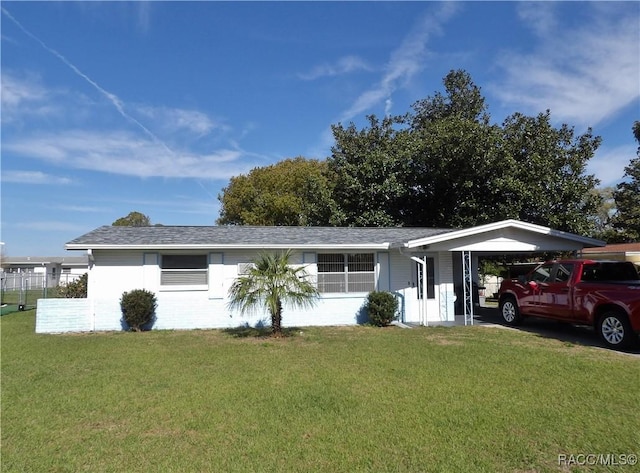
233	246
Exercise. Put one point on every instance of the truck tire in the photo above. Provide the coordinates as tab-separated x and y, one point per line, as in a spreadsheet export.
615	330
509	310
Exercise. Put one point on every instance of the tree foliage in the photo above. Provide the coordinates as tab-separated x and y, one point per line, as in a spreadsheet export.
627	197
371	167
292	192
134	219
444	164
75	289
605	213
271	283
545	180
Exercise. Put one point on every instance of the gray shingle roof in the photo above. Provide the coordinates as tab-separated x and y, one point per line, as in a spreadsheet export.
239	236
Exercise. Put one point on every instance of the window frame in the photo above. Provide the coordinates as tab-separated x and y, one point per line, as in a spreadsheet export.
348	266
188	270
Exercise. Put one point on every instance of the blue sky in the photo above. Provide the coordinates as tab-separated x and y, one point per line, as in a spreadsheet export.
110	107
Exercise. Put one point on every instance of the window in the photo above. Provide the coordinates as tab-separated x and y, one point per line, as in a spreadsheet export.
245	268
184	270
542	273
606	271
563	273
353	272
431	286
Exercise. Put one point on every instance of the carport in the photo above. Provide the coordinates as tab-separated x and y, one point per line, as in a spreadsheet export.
499	238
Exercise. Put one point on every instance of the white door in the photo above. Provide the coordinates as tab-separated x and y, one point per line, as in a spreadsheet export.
419	309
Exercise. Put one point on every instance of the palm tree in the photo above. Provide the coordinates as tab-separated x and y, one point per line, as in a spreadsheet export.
269	283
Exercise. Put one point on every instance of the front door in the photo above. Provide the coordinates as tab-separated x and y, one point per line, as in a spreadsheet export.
420	309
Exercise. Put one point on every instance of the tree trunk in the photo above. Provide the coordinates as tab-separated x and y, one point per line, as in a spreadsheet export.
276	320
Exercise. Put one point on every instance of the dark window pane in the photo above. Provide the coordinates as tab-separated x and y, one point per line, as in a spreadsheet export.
184	261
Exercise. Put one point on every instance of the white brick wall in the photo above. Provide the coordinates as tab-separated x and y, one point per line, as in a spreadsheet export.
63	315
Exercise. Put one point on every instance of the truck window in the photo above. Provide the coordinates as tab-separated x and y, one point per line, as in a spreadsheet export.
542	273
563	273
609	271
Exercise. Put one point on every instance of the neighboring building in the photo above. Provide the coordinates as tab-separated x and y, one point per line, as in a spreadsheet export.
619	252
190	269
43	271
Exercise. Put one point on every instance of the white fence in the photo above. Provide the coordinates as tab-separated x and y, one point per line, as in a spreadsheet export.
26	281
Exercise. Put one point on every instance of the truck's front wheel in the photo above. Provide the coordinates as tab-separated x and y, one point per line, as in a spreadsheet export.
615	330
509	311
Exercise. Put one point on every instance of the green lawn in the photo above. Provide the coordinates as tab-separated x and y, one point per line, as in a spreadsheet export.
29	297
349	399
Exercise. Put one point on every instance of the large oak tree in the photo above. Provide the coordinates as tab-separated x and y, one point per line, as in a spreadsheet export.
292	192
445	164
627	198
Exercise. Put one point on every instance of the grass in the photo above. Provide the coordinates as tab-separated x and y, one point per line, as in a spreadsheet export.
28	297
347	399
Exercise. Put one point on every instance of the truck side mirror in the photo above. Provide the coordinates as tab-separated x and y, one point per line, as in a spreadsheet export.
533	285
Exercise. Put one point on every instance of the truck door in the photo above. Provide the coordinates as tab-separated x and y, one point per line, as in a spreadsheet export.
530	299
555	294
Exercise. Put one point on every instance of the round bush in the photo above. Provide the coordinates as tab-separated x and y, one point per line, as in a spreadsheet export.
138	308
381	307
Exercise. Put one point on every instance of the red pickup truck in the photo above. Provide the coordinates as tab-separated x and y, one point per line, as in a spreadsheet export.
603	294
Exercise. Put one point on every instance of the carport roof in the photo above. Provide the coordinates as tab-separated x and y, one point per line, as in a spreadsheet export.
505	236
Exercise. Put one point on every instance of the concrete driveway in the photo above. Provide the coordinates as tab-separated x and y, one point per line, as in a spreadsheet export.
579	335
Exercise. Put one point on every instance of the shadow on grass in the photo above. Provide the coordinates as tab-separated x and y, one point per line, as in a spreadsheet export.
246	331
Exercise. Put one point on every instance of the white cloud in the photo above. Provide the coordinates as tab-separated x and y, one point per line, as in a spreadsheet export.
608	163
176	119
34	177
24	97
344	65
584	75
405	62
127	154
143	15
16	91
82	208
540	16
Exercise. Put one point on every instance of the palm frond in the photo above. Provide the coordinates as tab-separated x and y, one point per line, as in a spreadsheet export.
270	283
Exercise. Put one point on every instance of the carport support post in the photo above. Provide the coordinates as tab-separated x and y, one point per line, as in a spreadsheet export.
467	287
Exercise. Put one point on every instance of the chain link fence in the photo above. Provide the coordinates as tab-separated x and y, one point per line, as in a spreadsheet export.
21	291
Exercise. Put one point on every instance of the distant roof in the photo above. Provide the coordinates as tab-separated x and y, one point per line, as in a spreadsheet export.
114	237
615	248
29	260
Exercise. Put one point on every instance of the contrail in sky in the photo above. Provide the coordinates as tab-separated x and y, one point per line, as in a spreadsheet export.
117	103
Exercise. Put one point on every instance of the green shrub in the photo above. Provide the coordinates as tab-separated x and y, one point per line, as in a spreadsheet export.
75	289
138	308
381	307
